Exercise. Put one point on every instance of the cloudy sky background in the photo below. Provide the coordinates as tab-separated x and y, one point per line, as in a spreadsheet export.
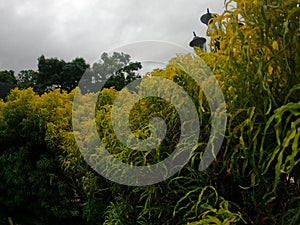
67	29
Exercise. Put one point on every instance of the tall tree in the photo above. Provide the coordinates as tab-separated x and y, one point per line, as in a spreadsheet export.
55	73
116	70
72	73
49	72
7	76
7	82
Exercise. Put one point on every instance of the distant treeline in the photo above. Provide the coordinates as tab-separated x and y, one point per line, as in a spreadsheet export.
116	71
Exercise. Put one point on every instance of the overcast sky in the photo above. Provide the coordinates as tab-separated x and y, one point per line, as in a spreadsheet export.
67	29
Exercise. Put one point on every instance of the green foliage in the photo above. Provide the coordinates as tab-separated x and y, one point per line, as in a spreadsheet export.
254	179
27	78
7	76
54	73
115	71
221	216
258	69
7	82
43	175
257	170
28	168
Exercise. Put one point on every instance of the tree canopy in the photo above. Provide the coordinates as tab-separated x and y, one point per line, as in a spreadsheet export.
7	76
54	73
116	71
